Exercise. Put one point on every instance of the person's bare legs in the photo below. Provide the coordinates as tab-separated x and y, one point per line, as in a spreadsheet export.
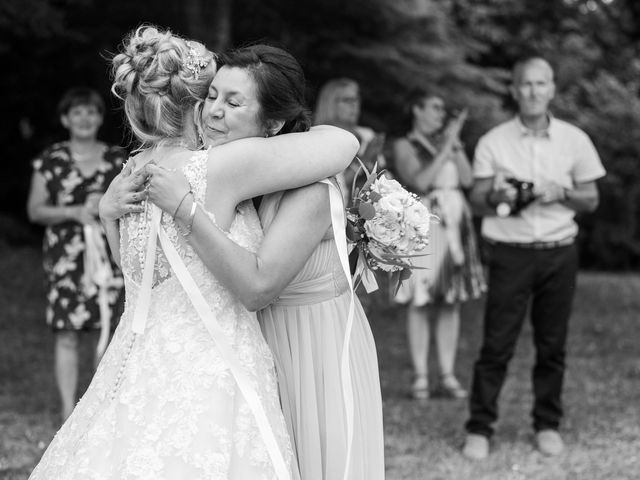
66	369
446	335
418	336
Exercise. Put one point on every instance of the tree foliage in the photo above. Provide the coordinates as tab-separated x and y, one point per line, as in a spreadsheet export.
461	48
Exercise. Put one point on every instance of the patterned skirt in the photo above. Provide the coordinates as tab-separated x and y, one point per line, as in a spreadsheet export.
452	271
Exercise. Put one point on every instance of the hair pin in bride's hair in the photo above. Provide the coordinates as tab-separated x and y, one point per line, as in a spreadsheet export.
194	62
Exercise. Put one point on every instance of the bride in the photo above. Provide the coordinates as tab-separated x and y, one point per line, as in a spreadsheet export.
187	390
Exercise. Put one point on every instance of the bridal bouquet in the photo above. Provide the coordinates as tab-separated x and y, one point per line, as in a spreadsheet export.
388	226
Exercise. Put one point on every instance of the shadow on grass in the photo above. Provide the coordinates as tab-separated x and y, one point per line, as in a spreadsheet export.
602	388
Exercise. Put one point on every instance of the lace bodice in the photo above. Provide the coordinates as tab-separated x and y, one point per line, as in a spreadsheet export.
135	229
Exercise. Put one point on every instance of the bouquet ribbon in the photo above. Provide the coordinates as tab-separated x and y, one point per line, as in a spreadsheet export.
338	220
365	275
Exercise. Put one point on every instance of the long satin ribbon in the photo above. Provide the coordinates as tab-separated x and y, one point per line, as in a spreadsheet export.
365	275
226	352
144	294
338	221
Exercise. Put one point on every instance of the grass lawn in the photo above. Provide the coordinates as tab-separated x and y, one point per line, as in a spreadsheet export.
602	389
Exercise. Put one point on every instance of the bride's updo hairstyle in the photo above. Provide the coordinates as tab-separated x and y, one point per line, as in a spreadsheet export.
160	77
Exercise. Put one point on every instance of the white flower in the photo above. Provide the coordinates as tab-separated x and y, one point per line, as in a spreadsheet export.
392	203
383	228
385	186
404	245
417	215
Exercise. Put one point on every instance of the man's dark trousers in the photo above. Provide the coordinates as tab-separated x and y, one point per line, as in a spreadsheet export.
516	275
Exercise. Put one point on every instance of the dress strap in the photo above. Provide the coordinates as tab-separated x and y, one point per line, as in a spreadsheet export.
226	352
338	221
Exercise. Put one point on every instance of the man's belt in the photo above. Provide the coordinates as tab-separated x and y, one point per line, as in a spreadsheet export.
565	242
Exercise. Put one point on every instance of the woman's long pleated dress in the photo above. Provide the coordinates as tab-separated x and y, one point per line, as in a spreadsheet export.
305	328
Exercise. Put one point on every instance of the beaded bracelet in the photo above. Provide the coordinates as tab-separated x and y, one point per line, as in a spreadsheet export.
180	204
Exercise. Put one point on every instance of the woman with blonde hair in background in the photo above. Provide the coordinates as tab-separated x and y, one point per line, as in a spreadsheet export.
338	104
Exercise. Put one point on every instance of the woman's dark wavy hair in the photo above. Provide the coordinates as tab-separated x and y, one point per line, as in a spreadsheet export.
280	85
418	97
80	96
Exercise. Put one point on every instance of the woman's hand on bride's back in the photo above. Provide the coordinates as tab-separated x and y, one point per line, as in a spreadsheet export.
166	188
124	195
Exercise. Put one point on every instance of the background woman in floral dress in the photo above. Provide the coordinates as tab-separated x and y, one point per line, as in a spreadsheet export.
83	286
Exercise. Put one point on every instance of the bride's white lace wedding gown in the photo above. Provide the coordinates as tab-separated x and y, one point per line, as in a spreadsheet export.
163	404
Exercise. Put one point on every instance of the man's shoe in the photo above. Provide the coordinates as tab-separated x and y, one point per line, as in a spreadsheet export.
476	447
549	442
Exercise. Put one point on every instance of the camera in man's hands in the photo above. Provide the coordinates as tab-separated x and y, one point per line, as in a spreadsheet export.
524	196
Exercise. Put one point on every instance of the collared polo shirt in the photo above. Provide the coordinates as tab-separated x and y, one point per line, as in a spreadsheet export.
562	153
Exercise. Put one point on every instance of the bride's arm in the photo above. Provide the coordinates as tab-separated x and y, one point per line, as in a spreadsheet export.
255	166
256	279
123	196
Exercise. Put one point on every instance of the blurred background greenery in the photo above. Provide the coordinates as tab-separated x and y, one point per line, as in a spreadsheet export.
463	48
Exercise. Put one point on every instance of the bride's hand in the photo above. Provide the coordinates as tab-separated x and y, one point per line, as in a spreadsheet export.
167	188
124	195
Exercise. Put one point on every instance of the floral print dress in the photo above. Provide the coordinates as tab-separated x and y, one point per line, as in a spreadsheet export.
72	303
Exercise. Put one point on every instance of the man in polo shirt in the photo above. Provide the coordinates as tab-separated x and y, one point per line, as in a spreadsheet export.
530	233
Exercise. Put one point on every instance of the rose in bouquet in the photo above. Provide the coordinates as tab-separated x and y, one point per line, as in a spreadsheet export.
388	226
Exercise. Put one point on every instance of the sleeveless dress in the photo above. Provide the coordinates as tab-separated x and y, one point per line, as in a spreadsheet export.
305	328
444	280
163	404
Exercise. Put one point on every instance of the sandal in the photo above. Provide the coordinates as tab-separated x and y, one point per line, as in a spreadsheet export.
450	387
420	388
